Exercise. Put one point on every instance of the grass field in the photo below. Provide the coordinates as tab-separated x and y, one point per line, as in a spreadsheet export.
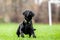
43	32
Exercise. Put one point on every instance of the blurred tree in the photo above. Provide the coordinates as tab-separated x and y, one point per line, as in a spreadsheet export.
59	14
55	13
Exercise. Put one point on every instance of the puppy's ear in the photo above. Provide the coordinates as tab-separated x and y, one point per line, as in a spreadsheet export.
23	13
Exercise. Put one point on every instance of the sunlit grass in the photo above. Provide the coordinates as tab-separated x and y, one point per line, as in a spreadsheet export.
43	32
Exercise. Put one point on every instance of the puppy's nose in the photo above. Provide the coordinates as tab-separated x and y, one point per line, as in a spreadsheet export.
27	14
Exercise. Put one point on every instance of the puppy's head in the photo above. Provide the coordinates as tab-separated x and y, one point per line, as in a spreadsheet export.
28	15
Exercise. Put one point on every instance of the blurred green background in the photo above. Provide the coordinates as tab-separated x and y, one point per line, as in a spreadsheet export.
11	15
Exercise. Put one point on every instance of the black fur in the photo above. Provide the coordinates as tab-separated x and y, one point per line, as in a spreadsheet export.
26	26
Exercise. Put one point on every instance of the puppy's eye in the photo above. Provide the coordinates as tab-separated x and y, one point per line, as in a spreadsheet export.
29	13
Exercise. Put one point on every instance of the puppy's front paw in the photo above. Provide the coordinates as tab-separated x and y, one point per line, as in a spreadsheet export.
22	36
34	36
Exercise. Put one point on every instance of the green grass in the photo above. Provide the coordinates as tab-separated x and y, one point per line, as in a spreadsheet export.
43	32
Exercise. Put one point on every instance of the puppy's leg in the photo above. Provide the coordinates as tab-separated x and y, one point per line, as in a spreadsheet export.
34	36
22	34
29	35
19	30
33	33
18	33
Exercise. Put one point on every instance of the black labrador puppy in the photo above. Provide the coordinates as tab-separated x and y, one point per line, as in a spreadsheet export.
26	26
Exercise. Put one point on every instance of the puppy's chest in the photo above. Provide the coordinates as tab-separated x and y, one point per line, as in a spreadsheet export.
27	28
27	24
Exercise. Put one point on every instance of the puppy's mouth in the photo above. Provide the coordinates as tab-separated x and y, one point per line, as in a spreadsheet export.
28	18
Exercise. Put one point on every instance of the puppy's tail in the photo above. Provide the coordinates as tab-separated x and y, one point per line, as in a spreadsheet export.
34	29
